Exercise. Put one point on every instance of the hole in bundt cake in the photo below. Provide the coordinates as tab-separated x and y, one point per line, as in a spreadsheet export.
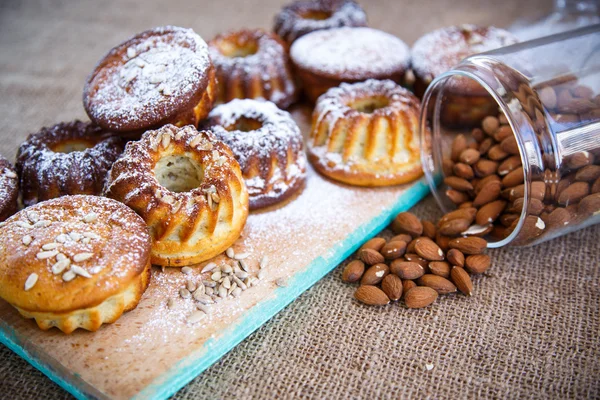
370	104
178	173
245	125
317	15
70	146
233	49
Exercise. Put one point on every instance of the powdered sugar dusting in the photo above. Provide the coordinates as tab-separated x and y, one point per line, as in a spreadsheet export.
351	53
440	50
278	137
8	188
147	78
291	23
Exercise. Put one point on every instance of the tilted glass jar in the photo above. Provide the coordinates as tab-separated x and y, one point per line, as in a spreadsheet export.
548	123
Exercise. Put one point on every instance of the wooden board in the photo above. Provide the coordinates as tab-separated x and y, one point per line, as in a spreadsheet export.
153	351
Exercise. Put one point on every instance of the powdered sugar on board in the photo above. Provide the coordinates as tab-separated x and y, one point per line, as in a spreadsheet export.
147	344
350	53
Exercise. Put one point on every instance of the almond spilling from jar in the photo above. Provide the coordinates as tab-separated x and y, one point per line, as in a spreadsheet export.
462	280
429	250
392	287
407	269
420	297
375	274
437	283
371	295
407	223
354	271
371	257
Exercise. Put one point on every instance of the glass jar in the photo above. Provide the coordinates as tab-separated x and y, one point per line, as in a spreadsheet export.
531	172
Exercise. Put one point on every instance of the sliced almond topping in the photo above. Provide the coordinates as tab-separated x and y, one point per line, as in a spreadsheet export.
75	236
41	224
80	271
27	240
31	281
90	217
24	224
82	256
43	255
60	266
68	276
50	246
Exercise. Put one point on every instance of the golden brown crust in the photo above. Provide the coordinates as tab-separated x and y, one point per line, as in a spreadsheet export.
187	225
160	76
365	134
253	64
9	189
83	250
48	168
269	152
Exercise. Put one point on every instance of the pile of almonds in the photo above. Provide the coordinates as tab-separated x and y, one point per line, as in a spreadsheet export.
419	263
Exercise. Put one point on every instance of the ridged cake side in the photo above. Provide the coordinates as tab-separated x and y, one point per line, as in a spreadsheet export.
188	225
366	134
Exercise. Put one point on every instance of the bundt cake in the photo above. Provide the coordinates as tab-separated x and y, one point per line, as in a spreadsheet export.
326	58
67	158
438	51
302	17
268	145
9	189
74	262
189	189
160	76
365	134
252	64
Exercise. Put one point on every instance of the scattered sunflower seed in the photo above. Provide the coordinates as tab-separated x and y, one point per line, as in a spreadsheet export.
264	262
186	270
60	257
230	253
203	308
201	291
226	283
205	299
241	274
209	290
237	292
183	292
216	276
261	274
170	302
190	285
222	292
210	284
91	235
244	265
196	317
227	269
241	256
208	267
31	281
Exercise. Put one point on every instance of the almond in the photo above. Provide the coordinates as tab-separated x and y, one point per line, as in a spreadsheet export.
596	186
507	219
463	171
478	263
447	166
461	213
469	245
469	156
490	212
370	256
375	274
535	206
490	124
456	197
408	223
420	296
477	134
456	183
454	227
580	160
588	173
455	257
393	250
496	153
558	218
442	241
486	145
462	280
509	165
403	237
392	287
466	204
412	257
459	144
440	268
510	145
575	192
429	250
485	168
532	228
376	244
407	285
489	192
353	271
437	283
410	247
407	269
371	295
484	181
428	229
502	133
514	178
589	205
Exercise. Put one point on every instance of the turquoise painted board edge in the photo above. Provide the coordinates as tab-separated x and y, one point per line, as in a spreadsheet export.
194	364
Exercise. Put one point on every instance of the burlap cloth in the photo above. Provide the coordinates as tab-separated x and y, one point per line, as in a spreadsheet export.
530	331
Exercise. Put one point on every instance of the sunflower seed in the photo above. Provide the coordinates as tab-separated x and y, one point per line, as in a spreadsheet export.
170	302
203	308
43	255
42	224
222	292
208	290
242	274
60	266
205	299
79	257
183	292
264	262
226	283
24	224
227	269
33	216
216	276
186	270
201	291
50	246
281	282
209	267
62	238
241	256
210	284
90	217
31	281
80	271
190	285
237	292
196	317
244	265
27	240
229	252
60	257
68	276
261	274
75	236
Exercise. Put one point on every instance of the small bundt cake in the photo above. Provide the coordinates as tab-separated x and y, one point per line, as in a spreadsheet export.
302	17
74	262
9	189
160	76
67	158
438	51
268	145
189	189
365	134
326	58
252	64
